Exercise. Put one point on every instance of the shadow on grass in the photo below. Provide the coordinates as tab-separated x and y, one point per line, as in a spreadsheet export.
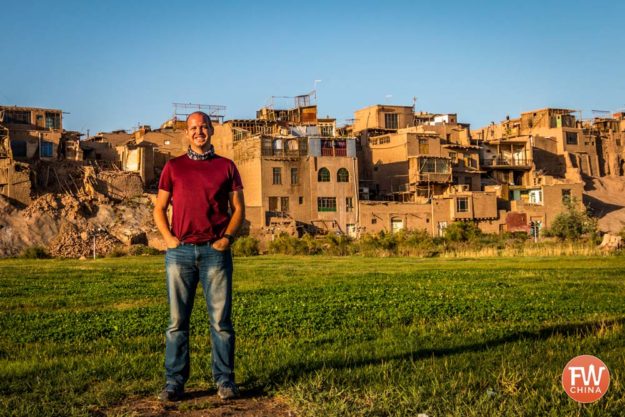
293	372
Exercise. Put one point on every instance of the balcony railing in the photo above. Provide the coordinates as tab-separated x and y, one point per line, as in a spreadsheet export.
333	152
506	162
284	153
431	177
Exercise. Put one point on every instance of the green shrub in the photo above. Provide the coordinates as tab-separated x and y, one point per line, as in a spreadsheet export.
246	246
139	250
462	232
117	252
416	243
337	245
286	244
310	245
380	244
35	252
572	224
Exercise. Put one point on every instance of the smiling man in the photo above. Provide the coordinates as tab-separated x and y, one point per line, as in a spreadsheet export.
206	195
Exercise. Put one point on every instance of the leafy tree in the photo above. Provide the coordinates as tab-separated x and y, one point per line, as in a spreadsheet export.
572	224
462	231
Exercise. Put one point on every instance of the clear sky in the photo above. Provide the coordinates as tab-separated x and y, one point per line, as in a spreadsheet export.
113	64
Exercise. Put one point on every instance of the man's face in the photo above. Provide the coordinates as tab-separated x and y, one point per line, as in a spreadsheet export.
199	132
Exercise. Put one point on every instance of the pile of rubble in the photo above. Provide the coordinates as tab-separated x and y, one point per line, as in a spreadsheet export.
65	206
74	243
65	224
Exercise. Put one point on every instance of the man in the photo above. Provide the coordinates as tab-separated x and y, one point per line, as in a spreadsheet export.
202	188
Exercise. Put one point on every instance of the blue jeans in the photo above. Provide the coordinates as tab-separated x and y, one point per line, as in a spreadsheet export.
185	266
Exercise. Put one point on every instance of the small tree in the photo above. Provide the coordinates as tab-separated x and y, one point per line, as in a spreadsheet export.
462	231
572	224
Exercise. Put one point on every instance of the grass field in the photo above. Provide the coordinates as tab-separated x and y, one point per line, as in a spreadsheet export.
334	336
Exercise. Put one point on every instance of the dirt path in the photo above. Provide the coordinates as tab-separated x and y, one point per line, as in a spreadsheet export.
202	403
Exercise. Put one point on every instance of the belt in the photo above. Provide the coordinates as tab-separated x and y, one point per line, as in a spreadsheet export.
197	244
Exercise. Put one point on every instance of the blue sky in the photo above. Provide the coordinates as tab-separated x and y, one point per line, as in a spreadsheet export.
114	64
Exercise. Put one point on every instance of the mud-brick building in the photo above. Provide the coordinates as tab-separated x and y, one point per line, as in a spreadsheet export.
432	216
14	176
298	175
300	182
27	135
35	133
419	162
609	134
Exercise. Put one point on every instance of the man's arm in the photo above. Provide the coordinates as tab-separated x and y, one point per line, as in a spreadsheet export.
237	205
160	218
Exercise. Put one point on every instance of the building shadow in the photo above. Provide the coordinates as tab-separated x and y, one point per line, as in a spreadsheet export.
294	372
599	208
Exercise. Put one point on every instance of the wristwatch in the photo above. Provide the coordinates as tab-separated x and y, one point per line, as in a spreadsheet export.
229	237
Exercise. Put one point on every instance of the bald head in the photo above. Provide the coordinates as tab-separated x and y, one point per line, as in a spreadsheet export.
200	114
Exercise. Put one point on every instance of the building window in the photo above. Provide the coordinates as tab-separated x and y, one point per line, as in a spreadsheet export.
277	176
342	175
462	204
434	165
566	195
424	146
53	120
284	204
17	117
536	196
374	220
397	224
390	120
301	200
18	147
323	175
327	130
452	156
349	204
441	228
46	149
294	179
326	203
571	138
273	203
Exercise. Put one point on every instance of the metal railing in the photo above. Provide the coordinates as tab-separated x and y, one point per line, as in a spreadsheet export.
333	151
284	153
501	161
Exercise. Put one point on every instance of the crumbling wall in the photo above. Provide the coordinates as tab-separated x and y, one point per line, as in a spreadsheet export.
119	185
15	180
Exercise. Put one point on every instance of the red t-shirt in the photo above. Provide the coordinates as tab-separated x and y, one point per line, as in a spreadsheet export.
199	196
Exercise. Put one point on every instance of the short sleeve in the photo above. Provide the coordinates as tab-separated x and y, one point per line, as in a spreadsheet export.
236	183
165	183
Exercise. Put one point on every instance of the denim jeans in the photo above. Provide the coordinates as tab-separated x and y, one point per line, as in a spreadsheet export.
185	266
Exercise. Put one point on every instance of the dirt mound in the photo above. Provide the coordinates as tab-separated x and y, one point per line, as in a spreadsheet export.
63	206
66	223
202	404
74	243
606	198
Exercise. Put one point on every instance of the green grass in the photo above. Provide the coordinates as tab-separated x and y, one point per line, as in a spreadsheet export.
344	336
